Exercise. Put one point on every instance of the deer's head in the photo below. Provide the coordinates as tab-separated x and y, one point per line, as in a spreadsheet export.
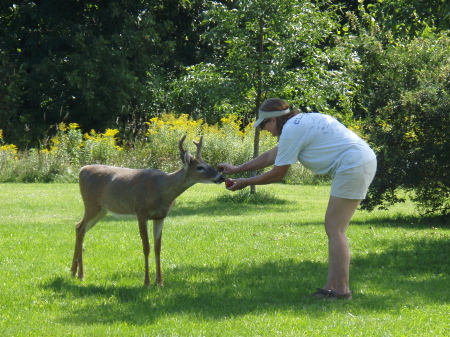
198	170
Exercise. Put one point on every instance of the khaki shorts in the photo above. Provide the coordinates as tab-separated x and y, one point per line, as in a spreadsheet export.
354	183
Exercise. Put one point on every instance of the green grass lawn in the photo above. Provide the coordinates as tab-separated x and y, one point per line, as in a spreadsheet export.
230	268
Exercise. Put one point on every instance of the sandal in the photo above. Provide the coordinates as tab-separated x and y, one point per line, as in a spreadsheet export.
338	296
321	293
331	295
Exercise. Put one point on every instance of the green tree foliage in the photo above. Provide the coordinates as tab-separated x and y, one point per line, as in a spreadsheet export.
411	18
263	49
407	109
402	18
86	60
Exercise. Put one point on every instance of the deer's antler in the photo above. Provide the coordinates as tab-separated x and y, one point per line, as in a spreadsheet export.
199	145
180	144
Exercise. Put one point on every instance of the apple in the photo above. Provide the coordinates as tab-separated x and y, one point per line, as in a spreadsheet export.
228	183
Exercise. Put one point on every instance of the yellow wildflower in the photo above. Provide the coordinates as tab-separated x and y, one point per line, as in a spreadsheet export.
111	132
62	126
11	148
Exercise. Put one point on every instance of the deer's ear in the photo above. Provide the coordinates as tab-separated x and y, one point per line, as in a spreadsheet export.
185	158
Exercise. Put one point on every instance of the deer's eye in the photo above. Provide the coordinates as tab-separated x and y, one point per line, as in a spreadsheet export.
200	169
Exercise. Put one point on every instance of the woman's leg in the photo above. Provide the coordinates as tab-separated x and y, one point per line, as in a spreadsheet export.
337	219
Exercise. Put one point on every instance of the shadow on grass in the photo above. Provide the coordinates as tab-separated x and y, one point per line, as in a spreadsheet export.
412	274
416	267
405	221
231	204
207	292
246	197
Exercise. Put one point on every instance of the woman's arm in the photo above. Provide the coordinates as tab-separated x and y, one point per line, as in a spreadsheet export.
262	161
272	176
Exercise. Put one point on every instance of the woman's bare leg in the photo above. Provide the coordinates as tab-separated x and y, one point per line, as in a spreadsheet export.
337	219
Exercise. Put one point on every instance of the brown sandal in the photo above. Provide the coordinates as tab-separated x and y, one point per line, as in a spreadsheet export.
331	295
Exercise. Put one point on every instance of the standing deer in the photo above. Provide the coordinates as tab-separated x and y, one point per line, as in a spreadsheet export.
147	194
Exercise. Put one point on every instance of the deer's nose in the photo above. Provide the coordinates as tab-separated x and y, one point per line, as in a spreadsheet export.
219	179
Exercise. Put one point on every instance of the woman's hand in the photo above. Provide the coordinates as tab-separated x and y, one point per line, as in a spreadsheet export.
227	168
238	184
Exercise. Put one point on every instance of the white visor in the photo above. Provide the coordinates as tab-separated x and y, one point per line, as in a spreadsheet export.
269	114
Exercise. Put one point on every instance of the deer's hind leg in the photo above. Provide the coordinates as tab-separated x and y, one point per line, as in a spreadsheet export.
89	220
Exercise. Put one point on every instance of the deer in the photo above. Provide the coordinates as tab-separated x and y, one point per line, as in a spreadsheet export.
145	194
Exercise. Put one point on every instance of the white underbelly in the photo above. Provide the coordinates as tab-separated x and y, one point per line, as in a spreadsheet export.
123	216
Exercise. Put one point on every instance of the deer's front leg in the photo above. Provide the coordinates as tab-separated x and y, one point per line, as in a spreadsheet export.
157	236
77	262
146	247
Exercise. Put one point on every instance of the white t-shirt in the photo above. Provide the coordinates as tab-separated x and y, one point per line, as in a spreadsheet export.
321	144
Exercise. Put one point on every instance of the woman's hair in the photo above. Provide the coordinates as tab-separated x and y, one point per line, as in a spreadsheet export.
276	104
273	104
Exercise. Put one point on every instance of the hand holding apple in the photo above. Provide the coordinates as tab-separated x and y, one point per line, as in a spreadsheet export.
229	182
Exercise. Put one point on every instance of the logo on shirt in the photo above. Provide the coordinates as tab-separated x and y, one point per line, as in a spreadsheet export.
297	120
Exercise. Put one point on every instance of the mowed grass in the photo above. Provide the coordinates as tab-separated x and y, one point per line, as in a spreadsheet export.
231	268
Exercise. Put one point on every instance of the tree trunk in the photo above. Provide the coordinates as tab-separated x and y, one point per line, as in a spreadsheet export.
258	97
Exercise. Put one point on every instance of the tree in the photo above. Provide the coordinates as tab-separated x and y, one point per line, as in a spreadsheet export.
407	107
283	48
411	18
83	61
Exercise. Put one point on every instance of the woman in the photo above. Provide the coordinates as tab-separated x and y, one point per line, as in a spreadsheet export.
324	146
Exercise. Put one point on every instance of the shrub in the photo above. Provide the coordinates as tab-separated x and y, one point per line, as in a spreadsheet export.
408	104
